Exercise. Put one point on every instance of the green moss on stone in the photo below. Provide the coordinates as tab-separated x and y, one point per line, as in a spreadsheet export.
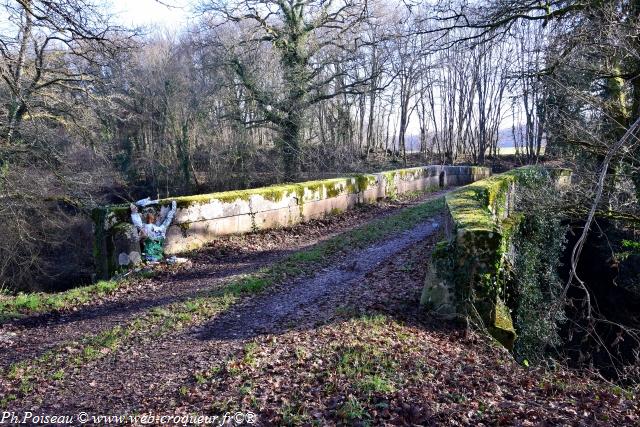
365	181
510	225
502	326
333	189
99	242
118	213
410	173
469	209
300	199
314	188
275	193
476	205
391	190
390	175
121	227
441	249
352	187
225	197
473	262
184	228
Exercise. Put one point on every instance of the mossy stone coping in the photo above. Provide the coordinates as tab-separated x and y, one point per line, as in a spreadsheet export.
473	207
303	190
480	239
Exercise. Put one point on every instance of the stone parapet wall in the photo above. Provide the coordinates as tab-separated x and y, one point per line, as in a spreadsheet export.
467	270
201	218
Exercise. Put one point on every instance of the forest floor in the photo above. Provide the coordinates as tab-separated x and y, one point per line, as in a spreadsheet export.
317	324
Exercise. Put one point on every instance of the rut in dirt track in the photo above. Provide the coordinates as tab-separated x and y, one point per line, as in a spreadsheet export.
265	314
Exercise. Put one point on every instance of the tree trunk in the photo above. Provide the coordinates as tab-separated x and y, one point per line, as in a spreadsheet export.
15	117
184	155
18	106
290	145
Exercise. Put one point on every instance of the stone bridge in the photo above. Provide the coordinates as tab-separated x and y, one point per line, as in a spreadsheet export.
200	219
469	270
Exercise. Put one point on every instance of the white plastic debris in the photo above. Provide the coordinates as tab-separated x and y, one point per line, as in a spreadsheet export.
146	202
176	260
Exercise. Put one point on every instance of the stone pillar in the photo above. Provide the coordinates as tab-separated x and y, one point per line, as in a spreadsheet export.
126	245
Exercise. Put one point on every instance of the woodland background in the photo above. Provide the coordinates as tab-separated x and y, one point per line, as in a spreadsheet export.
256	92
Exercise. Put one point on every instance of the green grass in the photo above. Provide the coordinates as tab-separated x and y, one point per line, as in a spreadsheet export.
52	363
301	353
353	410
374	320
200	378
360	361
250	350
58	375
28	302
375	384
39	302
293	415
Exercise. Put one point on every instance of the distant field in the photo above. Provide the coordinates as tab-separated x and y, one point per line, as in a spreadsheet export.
507	151
502	151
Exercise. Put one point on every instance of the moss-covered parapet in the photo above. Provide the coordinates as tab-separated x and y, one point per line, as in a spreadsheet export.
201	218
469	271
477	206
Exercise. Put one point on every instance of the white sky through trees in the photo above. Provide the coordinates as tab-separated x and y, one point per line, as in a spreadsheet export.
170	14
175	15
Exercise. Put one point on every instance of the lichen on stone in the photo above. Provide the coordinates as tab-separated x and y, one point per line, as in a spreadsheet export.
501	327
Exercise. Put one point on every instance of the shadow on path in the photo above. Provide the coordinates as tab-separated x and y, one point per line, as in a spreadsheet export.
265	314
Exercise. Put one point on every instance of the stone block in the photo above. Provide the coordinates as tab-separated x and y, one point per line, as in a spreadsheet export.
437	296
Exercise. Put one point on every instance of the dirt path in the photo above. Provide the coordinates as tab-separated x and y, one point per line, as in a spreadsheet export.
149	374
269	314
210	269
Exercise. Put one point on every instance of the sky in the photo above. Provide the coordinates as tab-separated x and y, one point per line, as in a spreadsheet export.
171	14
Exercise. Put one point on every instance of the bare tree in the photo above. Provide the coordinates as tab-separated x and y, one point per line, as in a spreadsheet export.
51	48
305	35
406	51
50	58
